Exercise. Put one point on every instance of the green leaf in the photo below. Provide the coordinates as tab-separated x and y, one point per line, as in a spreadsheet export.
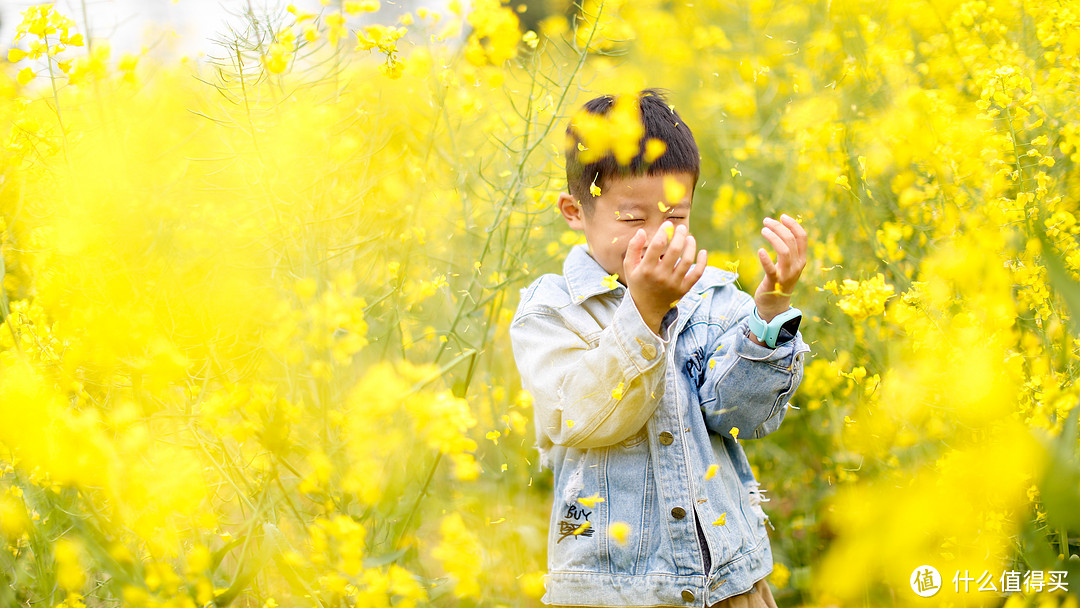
1060	488
1061	281
384	559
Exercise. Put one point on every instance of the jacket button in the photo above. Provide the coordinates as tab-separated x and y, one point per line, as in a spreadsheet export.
687	595
679	513
648	351
666	438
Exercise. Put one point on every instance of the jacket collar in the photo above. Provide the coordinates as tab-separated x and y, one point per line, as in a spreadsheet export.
585	276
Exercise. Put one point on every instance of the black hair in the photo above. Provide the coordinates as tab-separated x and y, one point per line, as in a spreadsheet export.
660	122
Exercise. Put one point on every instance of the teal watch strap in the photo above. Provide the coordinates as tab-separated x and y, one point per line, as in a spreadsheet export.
770	332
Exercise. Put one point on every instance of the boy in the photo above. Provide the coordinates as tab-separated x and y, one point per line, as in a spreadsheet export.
646	367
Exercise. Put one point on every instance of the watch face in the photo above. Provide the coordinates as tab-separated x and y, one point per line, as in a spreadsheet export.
788	329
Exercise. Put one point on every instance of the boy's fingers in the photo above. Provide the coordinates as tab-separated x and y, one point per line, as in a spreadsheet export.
778	244
767	264
657	245
686	257
695	272
783	252
787	254
796	229
633	251
783	232
675	247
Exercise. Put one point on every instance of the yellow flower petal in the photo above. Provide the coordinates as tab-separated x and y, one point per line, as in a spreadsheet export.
712	471
25	75
721	521
619	531
674	190
617	392
591	501
735	433
654	149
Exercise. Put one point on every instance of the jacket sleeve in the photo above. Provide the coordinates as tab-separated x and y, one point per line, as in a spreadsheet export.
590	395
747	385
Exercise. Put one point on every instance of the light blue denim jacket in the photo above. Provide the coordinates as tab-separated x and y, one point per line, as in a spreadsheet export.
638	420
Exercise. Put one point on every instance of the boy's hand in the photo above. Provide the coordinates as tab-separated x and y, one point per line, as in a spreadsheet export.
656	285
788	238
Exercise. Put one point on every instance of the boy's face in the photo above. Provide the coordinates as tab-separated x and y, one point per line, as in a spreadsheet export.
625	205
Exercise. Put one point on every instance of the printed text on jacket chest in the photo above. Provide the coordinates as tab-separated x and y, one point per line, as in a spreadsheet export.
575	523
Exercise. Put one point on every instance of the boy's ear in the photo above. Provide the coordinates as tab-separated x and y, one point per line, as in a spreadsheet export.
571	210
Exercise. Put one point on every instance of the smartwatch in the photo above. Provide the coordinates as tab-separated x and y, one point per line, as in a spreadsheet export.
780	330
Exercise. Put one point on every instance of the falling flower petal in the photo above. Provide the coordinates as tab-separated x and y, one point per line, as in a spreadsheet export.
619	531
591	501
617	392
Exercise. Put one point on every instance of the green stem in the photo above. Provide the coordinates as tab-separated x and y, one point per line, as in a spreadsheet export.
416	503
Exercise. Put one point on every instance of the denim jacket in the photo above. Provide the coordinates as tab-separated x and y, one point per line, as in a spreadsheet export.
638	431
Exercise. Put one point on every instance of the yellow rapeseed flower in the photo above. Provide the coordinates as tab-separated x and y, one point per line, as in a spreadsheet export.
460	553
862	299
70	574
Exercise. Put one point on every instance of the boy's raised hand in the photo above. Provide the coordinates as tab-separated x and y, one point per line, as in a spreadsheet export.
659	274
788	238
